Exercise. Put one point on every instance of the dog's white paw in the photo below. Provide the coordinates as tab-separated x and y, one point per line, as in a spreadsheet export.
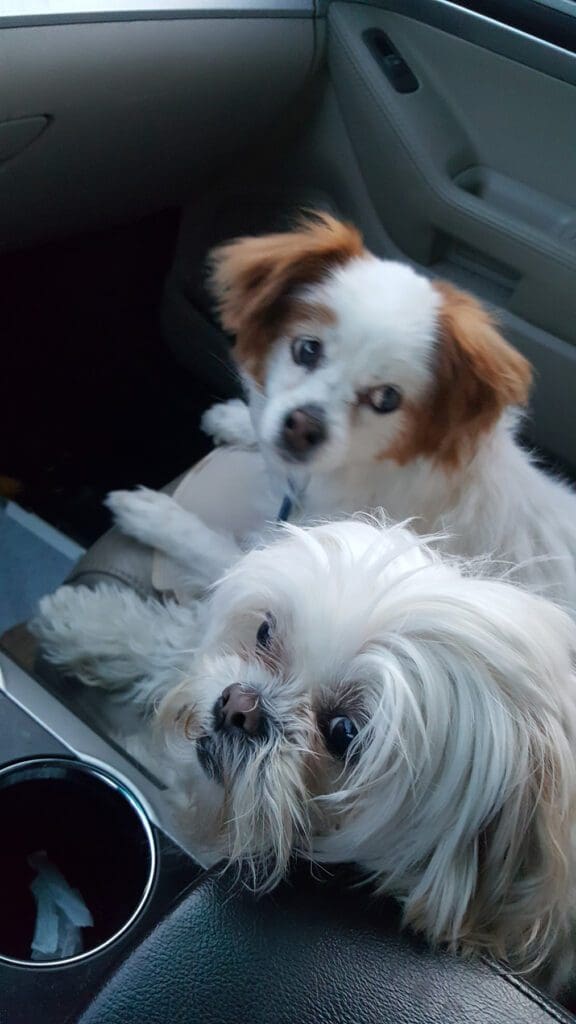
57	616
229	423
60	626
90	632
144	514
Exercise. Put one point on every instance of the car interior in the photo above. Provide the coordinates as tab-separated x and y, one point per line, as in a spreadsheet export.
134	136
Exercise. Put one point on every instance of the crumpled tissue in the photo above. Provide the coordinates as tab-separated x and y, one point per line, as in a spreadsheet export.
61	913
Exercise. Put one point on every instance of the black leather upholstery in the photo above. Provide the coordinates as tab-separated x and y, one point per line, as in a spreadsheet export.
311	953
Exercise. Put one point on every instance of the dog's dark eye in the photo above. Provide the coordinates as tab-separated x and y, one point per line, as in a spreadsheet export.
338	735
307	352
385	398
264	634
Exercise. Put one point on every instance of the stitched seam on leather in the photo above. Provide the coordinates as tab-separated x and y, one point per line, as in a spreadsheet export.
116	574
434	183
551	1008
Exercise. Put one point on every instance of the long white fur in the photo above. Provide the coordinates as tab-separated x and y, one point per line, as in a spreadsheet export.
461	798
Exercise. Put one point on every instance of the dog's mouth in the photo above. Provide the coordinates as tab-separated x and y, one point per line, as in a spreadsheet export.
224	753
295	458
208	758
223	757
298	458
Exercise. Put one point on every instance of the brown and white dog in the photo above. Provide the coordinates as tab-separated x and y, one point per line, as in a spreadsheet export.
371	386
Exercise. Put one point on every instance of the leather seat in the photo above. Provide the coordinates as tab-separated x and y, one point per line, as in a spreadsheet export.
313	952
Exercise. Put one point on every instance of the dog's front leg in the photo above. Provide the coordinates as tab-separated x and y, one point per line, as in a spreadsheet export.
158	520
229	423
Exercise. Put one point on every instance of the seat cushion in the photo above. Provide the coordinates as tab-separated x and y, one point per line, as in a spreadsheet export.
313	952
114	557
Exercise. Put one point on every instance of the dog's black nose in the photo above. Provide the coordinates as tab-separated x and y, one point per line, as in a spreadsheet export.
239	708
304	429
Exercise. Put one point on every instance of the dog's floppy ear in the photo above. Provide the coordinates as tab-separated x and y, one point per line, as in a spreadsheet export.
508	891
254	279
477	375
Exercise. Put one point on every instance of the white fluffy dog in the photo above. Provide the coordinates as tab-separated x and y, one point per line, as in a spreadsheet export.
370	386
346	694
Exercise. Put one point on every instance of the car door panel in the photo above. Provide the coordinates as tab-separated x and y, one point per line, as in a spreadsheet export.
137	114
473	174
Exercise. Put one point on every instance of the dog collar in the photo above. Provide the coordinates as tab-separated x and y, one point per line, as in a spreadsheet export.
292	500
285	509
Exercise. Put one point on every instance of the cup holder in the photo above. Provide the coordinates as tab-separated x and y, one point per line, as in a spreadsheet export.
77	861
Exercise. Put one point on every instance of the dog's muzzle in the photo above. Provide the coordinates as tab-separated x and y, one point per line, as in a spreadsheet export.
240	724
238	708
303	432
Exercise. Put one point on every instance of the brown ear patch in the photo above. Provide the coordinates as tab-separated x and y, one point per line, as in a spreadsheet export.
477	375
254	279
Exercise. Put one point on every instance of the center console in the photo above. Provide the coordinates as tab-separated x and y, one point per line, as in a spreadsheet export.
72	804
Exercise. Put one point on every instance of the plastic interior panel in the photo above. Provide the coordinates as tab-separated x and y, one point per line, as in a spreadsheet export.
56	994
511	122
139	112
416	145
